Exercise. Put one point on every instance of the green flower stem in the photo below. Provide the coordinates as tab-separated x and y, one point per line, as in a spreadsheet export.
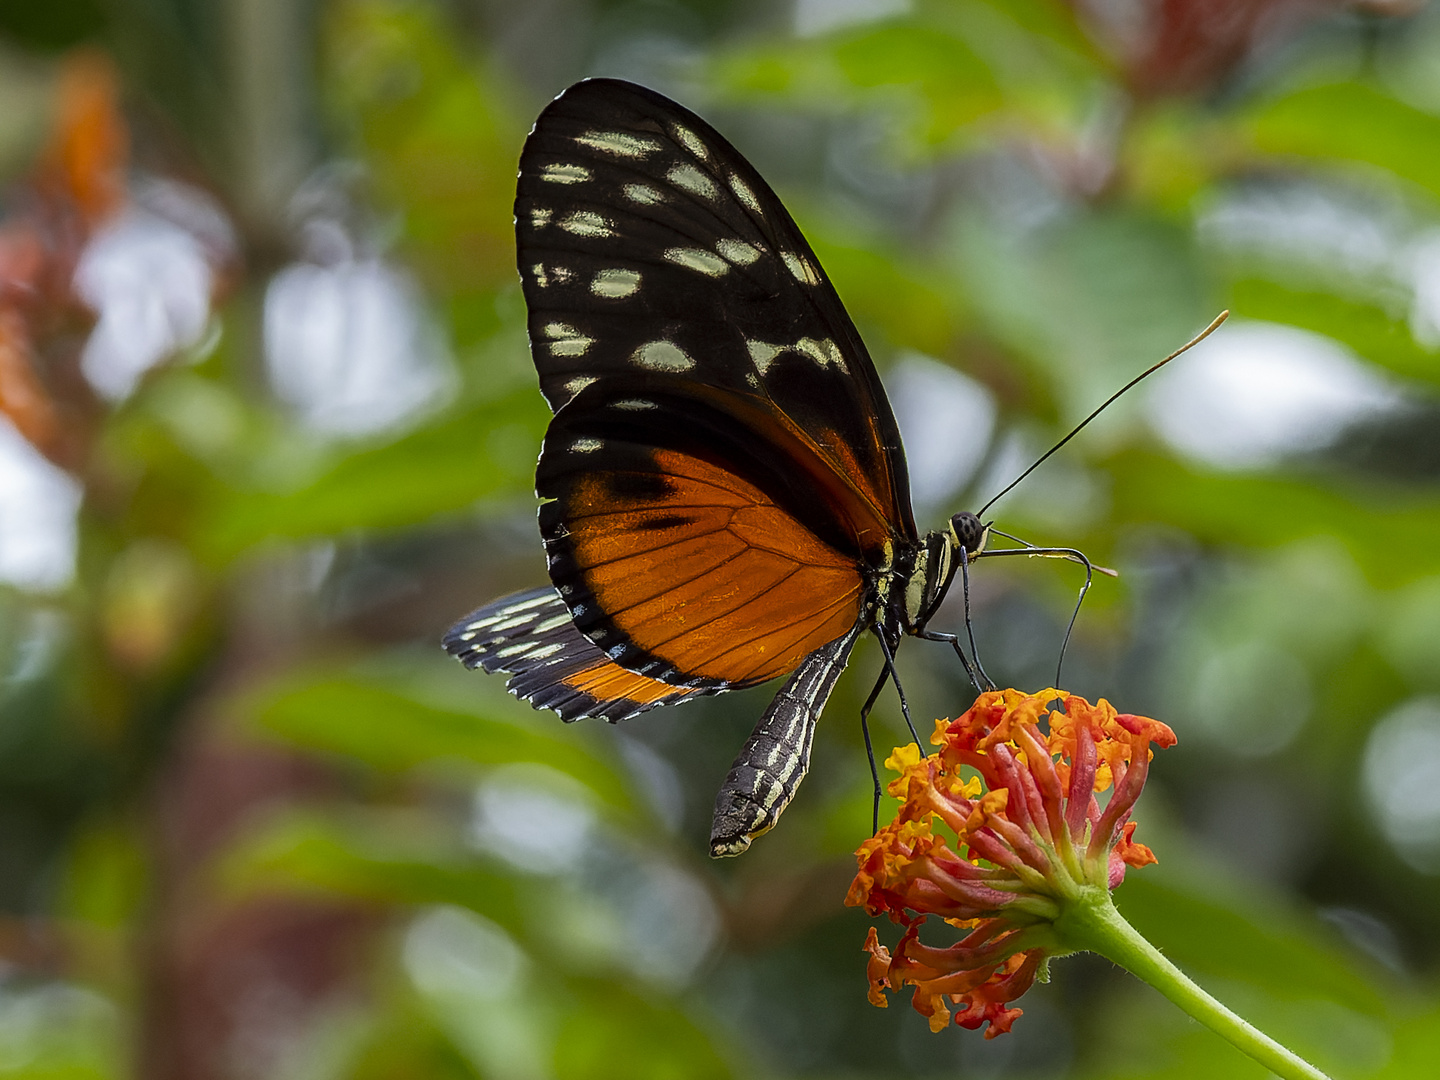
1090	922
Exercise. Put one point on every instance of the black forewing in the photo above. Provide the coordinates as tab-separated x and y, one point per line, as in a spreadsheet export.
651	252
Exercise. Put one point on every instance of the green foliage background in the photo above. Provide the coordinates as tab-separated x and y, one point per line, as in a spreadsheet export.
300	842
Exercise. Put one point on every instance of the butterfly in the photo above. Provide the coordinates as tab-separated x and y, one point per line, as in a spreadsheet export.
724	497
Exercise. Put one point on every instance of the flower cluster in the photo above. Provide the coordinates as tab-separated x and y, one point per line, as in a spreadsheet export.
1015	784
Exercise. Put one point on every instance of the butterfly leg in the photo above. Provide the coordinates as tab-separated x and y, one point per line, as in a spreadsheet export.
889	653
979	681
974	672
869	747
1070	629
1073	555
887	673
985	682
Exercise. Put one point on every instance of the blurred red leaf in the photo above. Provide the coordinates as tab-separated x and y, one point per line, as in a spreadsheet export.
78	184
85	164
1173	48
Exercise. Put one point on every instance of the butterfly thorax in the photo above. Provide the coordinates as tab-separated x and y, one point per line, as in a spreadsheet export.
915	578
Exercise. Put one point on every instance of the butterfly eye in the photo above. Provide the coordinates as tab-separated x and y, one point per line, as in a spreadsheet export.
968	530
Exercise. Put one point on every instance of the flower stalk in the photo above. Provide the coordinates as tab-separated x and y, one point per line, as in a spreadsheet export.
1096	926
1029	871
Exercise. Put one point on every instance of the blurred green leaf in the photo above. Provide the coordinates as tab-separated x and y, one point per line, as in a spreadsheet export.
52	27
655	1041
1352	122
441	468
955	83
1409	633
910	306
1093	298
391	858
52	1030
105	880
1263	943
1377	335
1158	1042
406	1042
939	75
950	85
1417	1048
1393	541
387	730
440	132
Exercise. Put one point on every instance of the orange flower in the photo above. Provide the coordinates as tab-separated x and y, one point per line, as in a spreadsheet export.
1030	840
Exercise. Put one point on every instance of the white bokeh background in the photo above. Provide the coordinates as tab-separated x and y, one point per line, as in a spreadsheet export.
1254	392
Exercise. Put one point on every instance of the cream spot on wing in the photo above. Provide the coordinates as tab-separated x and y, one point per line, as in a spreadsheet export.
580	382
587	223
800	267
586	446
540	216
643	194
688	139
519	620
565	340
615	284
662	356
697	259
526	605
619	143
692	180
565	174
737	251
516	650
636	405
744	194
576	346
538	273
552	623
547	650
762	353
823	351
562	273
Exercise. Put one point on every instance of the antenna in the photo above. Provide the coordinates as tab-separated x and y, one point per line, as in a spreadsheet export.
1107	403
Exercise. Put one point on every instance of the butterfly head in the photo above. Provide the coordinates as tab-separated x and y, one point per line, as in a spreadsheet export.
936	561
968	532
